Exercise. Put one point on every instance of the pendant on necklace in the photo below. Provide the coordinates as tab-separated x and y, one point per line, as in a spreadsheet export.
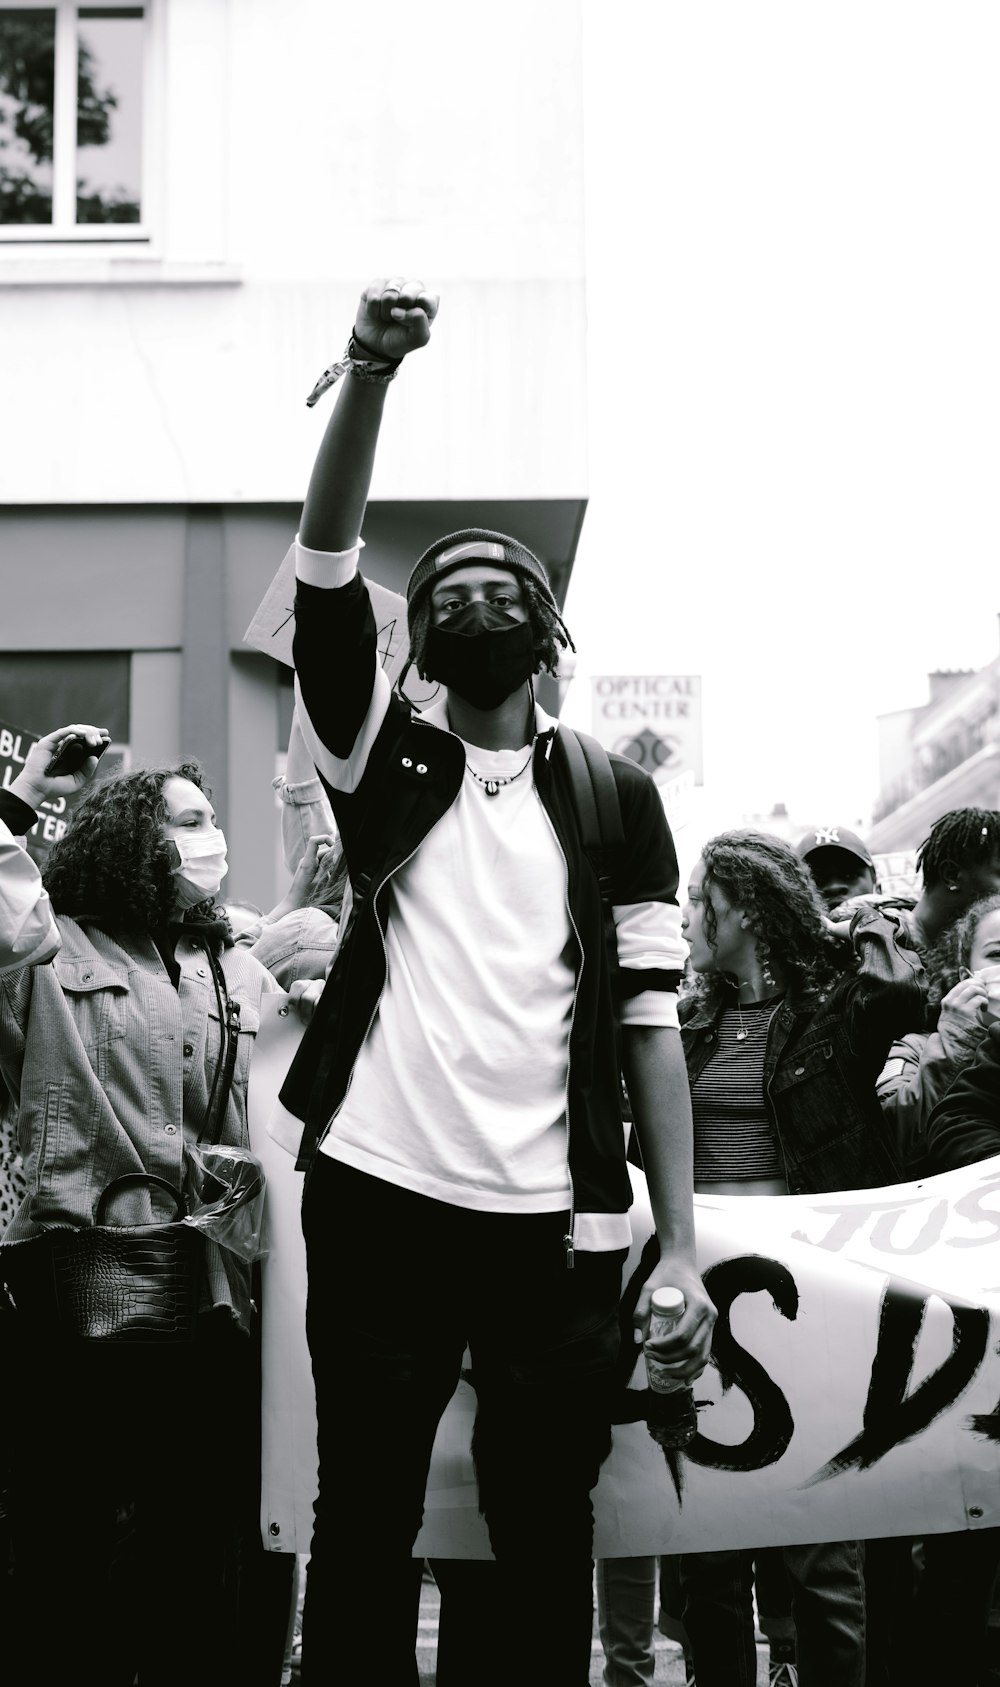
492	786
741	1036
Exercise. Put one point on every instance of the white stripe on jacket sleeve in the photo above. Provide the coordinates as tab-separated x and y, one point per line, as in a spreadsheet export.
649	935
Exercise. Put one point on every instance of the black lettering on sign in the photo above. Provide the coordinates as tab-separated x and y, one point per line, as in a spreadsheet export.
892	1416
986	1424
773	1425
383	641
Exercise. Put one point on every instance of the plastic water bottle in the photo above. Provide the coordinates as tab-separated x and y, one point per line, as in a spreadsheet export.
673	1420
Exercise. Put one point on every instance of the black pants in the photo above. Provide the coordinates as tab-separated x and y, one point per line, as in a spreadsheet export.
133	1482
954	1592
399	1285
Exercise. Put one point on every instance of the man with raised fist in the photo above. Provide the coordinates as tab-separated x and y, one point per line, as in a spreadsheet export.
456	1099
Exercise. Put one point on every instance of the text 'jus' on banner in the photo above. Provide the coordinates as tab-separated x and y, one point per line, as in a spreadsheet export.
654	719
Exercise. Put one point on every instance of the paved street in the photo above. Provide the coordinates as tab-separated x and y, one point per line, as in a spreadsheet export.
669	1661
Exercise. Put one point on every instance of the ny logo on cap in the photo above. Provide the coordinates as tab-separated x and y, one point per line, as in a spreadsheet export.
827	835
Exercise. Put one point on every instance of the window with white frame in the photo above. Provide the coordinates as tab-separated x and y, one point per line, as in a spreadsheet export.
73	122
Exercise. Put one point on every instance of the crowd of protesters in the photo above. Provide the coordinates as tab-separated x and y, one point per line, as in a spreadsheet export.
456	1101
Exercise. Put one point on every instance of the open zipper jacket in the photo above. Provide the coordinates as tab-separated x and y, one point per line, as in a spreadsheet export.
391	773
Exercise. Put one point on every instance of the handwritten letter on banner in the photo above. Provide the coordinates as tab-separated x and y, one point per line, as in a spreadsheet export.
854	1393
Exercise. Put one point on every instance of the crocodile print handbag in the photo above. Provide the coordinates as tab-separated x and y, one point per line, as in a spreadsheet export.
111	1282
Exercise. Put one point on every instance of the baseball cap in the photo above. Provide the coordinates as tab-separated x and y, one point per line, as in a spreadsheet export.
834	837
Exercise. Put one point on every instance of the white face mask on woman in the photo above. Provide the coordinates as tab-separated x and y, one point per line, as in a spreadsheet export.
202	865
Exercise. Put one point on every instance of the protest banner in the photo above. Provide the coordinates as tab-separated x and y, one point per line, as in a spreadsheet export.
273	624
854	1391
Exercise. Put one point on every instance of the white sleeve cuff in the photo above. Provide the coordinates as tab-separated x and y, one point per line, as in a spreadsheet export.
649	935
651	1007
326	568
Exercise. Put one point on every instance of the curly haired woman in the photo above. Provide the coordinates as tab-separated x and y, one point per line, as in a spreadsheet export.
127	1018
786	1024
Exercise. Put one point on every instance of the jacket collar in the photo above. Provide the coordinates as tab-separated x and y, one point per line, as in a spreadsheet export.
436	714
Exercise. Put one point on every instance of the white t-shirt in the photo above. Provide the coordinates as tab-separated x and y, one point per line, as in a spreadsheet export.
459	1091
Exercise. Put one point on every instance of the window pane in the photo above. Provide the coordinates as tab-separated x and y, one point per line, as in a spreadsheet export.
109	115
27	90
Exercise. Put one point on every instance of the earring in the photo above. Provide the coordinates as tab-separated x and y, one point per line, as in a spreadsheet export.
952	887
764	957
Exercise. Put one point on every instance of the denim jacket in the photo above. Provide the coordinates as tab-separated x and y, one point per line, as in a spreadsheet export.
823	1061
109	1066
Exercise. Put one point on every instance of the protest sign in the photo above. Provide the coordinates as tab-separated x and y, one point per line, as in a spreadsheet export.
897	873
54	815
854	1390
273	624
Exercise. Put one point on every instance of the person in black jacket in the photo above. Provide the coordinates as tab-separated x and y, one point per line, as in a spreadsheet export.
457	1099
960	1569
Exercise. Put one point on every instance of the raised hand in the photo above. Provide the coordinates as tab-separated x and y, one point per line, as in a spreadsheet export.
34	783
394	317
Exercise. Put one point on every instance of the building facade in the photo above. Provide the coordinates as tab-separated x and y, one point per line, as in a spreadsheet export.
192	194
941	755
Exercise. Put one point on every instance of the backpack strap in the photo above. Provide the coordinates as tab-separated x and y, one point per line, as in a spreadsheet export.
602	833
597	804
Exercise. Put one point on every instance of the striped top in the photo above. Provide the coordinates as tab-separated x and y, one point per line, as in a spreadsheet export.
734	1136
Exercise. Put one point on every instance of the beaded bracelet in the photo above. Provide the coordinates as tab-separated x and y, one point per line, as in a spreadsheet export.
375	371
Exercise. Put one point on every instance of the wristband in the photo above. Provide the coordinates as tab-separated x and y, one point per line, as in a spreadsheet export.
375	371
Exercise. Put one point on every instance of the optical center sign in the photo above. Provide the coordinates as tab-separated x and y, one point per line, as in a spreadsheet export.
654	719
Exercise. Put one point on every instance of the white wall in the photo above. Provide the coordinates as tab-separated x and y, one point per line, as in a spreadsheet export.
305	147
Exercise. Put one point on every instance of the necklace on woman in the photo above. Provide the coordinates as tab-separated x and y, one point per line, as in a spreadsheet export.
766	1001
492	783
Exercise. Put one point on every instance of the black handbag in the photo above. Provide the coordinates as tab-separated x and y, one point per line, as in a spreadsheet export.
124	1282
111	1282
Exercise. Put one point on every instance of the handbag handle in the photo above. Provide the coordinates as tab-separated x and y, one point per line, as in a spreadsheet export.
130	1179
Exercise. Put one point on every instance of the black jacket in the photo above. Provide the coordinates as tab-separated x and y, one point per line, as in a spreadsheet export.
391	774
823	1060
964	1127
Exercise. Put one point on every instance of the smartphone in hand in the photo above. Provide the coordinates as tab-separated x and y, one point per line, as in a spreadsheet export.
72	753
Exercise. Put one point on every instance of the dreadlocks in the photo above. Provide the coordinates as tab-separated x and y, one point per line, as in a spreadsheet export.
960	838
763	876
547	625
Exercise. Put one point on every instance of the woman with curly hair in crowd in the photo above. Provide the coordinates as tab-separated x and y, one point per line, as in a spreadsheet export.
786	1022
127	1018
786	1030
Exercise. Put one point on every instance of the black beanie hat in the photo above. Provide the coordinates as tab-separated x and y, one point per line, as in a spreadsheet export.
473	544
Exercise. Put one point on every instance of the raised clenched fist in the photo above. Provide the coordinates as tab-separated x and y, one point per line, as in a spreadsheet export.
394	317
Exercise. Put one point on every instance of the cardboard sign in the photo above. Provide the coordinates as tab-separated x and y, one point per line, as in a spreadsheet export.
273	625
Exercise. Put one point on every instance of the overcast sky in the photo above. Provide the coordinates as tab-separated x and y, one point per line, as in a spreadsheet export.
794	307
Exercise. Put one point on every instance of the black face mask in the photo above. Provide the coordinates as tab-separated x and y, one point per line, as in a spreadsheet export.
482	653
